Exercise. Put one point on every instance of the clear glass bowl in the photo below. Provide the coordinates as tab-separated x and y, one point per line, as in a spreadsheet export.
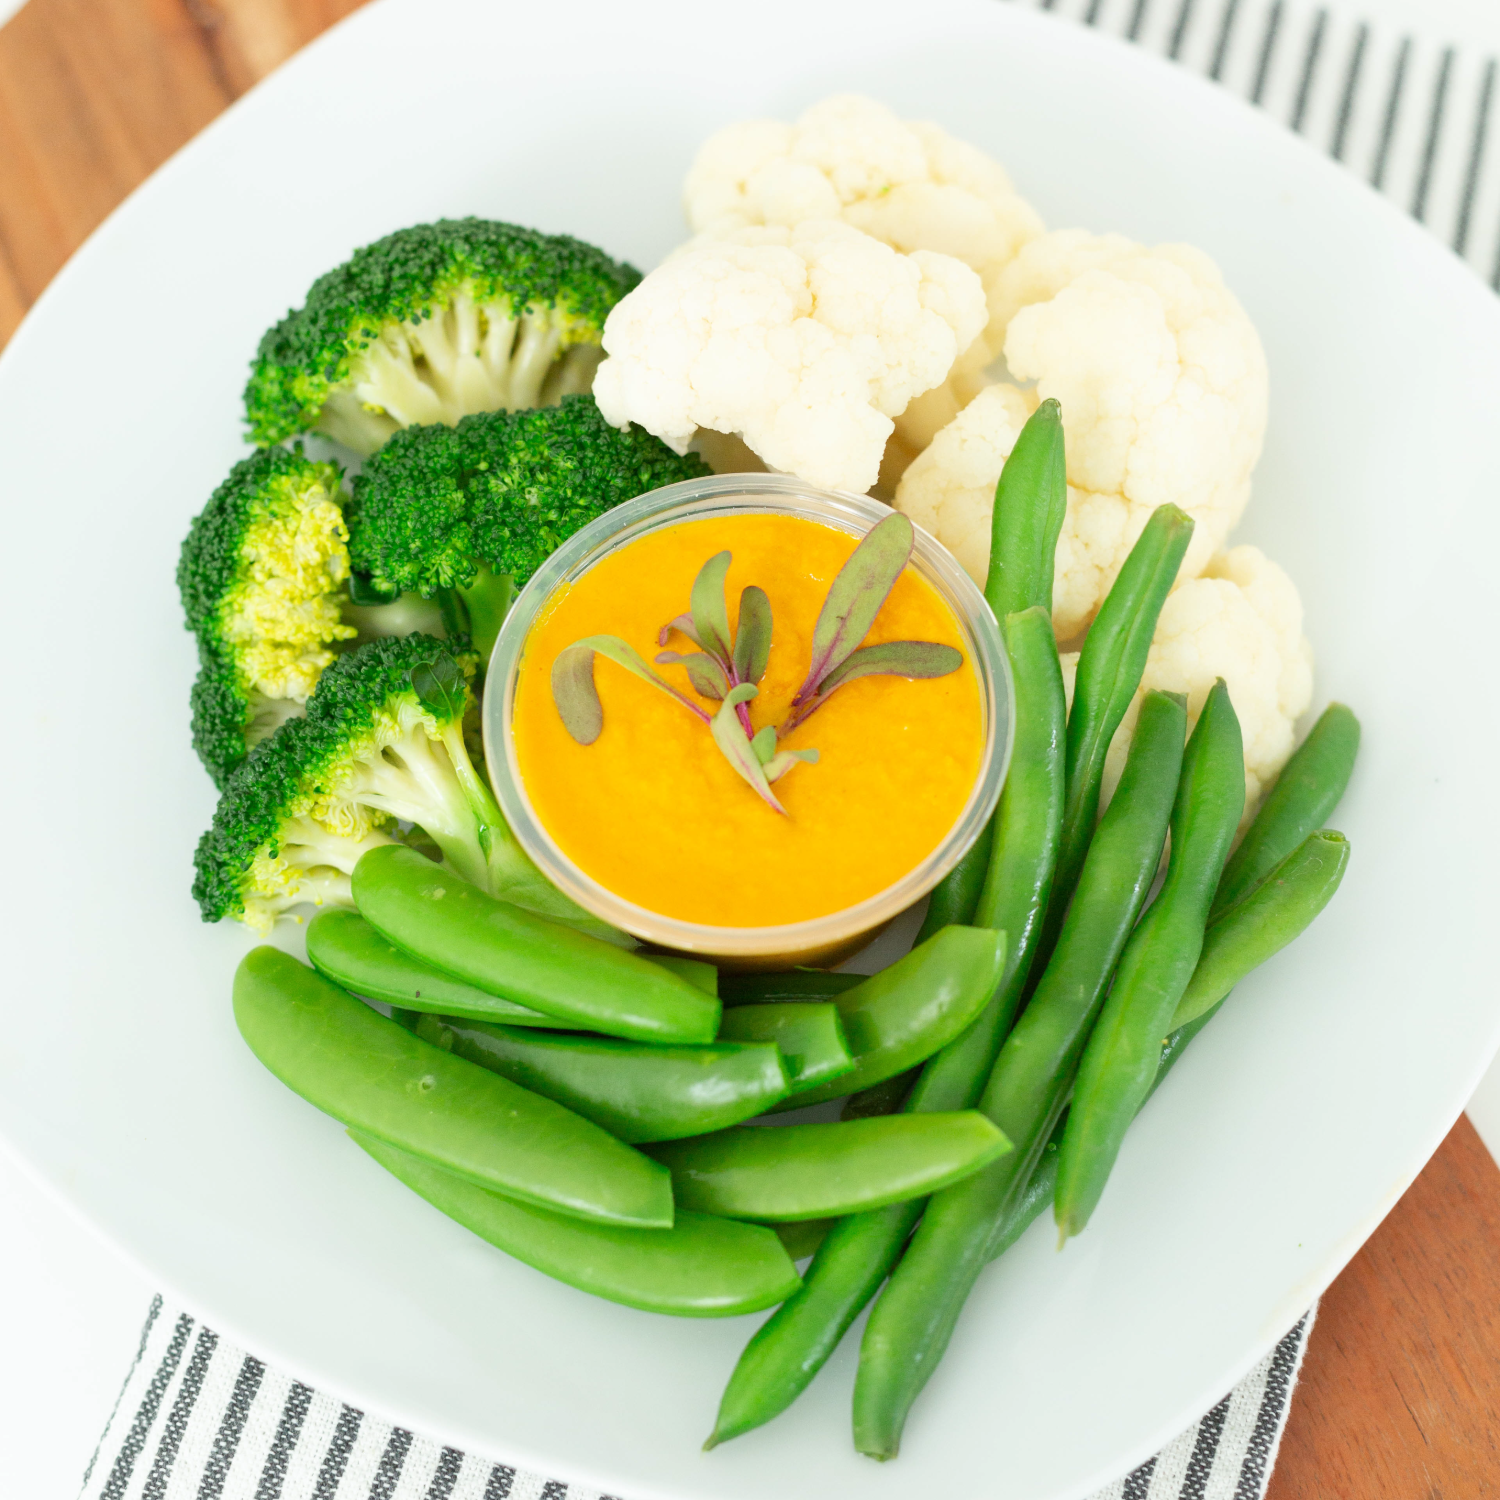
823	939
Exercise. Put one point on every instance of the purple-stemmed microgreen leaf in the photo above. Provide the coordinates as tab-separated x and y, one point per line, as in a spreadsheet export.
704	672
684	623
764	744
710	617
895	659
729	735
440	687
855	598
783	761
577	698
752	635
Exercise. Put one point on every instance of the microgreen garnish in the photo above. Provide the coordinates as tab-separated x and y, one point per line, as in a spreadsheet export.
728	665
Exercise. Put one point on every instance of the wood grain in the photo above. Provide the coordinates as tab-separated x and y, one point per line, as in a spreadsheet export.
1401	1390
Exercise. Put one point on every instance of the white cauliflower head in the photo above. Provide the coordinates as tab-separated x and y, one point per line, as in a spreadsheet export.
1242	621
1162	382
910	185
806	341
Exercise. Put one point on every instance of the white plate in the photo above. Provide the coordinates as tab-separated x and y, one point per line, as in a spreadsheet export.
1277	1145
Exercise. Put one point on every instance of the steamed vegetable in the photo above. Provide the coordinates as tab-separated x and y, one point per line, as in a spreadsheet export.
432	323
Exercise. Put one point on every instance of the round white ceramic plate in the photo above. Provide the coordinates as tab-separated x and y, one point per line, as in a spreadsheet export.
1275	1148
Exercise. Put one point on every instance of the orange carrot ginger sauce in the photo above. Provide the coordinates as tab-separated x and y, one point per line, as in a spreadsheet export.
654	812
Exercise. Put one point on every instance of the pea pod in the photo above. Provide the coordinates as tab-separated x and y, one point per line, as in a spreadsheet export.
794	985
377	1077
912	1322
907	1012
1120	1062
884	1098
795	1341
810	1038
801	1237
701	975
1305	794
702	1267
825	1171
1109	672
635	1091
343	946
430	913
1265	921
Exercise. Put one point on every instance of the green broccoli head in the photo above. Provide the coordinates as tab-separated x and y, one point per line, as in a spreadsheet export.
262	576
501	491
432	323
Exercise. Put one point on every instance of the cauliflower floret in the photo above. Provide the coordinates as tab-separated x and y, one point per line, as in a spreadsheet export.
805	341
1242	621
910	185
1162	382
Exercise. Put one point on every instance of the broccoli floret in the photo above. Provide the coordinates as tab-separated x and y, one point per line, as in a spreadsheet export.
432	323
466	507
262	576
382	740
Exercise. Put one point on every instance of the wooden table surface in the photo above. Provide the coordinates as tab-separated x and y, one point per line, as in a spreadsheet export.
1400	1394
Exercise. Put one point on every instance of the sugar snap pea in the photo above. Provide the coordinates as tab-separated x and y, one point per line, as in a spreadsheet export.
792	1345
884	1098
342	945
785	1172
636	1091
1305	793
701	975
907	1012
1262	923
1119	1064
801	1237
912	1322
809	1036
793	985
430	913
702	1267
377	1077
1109	672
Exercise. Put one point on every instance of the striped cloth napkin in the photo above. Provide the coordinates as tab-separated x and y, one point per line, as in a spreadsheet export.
1404	95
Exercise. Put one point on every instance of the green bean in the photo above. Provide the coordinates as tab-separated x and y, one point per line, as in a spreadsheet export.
430	913
1304	796
907	1012
375	1076
1031	502
1120	1062
955	896
702	1267
827	1171
345	948
887	1097
1261	924
636	1091
810	1038
795	985
795	1341
914	1318
1109	672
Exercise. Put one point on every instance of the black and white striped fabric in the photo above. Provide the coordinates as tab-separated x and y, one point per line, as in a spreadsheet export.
199	1419
1404	95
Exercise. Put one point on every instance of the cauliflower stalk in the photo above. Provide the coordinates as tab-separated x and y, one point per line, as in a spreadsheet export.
805	341
1162	382
1242	621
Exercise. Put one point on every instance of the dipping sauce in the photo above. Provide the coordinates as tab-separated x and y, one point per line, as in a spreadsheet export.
655	813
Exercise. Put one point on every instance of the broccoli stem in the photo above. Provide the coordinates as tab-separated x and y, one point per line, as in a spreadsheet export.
487	601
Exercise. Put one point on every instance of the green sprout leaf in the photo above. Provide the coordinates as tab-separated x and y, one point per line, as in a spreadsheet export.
752	638
577	698
896	659
710	617
729	735
704	672
440	687
783	761
684	623
764	744
861	588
